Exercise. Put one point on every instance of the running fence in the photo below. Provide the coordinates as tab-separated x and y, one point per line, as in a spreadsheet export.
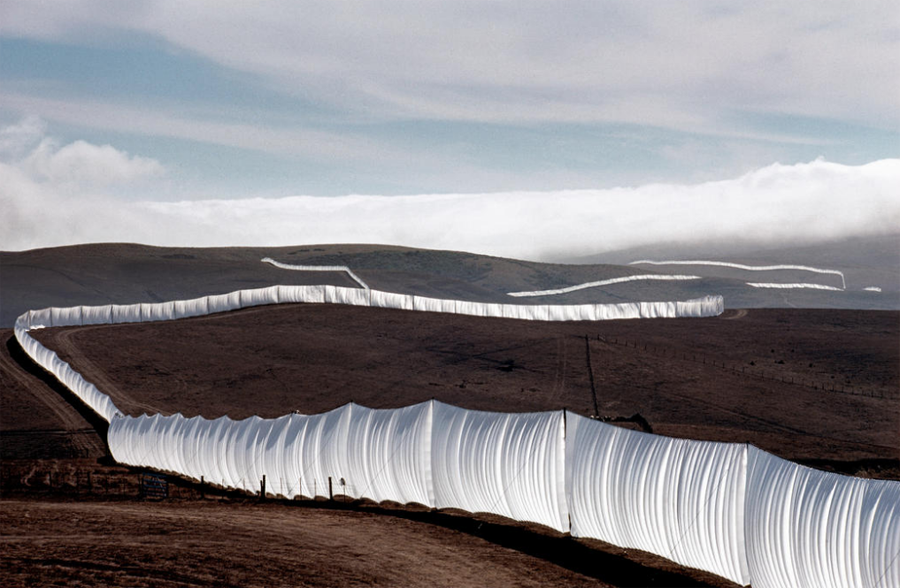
727	508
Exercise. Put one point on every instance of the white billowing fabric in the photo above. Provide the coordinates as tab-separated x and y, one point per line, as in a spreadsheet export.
389	454
805	527
193	307
157	311
769	522
342	295
687	309
681	499
796	286
507	464
258	296
39	318
467	308
708	306
624	310
246	458
609	282
272	458
65	317
514	311
317	268
96	315
391	300
425	304
195	437
301	294
540	312
449	306
126	313
576	312
224	302
376	454
321	451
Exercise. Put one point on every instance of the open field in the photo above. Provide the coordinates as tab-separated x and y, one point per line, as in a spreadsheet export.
243	542
207	543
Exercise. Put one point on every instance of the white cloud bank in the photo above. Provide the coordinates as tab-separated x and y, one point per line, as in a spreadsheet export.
53	195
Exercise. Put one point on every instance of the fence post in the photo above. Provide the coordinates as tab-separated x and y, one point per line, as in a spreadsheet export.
262	487
587	345
330	490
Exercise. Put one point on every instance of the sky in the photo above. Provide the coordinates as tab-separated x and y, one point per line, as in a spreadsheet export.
529	129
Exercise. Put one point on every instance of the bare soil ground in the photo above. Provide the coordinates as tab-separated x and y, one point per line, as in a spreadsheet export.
724	379
228	544
79	522
40	418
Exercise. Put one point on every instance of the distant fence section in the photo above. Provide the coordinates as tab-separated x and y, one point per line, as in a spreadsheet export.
731	509
317	268
179	309
749	268
600	283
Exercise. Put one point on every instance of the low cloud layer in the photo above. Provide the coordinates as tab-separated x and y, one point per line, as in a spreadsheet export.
59	195
798	203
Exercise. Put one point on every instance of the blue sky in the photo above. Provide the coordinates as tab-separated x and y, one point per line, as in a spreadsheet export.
236	100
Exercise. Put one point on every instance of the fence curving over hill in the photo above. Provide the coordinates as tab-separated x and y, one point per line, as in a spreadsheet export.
178	309
749	268
597	284
731	509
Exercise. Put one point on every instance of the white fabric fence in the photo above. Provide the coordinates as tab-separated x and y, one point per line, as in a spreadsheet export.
727	508
731	509
178	309
793	286
677	498
597	284
749	268
430	453
805	527
317	268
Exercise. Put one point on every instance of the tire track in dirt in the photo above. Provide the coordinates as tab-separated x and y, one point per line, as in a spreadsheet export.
773	425
738	314
63	342
559	376
84	439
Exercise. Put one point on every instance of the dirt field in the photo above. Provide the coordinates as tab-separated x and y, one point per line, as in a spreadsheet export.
212	544
725	379
203	537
